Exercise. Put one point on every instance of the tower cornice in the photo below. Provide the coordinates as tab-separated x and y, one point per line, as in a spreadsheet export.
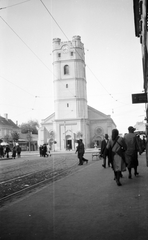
68	60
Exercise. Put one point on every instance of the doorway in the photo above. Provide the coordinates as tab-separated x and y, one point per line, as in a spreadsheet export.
69	144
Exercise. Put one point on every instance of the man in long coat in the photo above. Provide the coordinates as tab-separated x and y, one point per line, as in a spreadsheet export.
80	151
131	153
104	151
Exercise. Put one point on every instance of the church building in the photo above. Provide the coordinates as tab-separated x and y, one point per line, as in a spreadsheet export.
73	118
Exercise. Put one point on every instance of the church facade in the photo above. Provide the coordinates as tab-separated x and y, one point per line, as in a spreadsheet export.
73	118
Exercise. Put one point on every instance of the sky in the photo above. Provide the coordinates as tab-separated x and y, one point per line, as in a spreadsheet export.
112	55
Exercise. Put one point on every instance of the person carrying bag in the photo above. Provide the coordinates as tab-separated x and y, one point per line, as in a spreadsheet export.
117	147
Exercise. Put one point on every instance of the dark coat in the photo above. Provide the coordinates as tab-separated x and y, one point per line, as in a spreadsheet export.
104	150
80	149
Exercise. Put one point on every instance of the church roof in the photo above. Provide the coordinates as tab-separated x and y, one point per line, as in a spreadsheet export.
93	114
91	109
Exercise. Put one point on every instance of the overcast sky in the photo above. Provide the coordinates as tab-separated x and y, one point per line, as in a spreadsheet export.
112	54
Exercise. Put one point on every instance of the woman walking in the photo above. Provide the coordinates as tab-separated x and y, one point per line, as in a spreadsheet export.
117	146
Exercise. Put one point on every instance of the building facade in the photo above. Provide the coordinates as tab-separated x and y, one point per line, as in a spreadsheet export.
73	118
140	8
7	126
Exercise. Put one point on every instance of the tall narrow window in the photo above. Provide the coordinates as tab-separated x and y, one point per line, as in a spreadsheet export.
59	54
66	69
71	53
67	104
66	85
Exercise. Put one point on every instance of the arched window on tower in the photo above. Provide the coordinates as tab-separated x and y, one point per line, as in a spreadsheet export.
66	69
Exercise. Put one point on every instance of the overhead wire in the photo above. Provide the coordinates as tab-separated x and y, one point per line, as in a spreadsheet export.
16	86
25	44
30	49
14	4
32	52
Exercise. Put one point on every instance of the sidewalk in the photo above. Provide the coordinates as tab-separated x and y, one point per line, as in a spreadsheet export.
86	205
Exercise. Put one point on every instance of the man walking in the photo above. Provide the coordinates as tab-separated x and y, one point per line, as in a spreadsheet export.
80	150
131	153
104	151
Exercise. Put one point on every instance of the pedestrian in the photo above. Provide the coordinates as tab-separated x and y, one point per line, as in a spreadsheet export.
45	150
40	150
144	143
48	150
68	147
14	152
131	154
19	151
1	151
7	151
117	146
80	151
105	151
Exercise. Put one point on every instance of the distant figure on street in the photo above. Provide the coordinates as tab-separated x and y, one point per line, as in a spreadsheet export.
131	153
7	151
144	143
41	150
19	151
105	151
1	151
80	150
48	150
14	152
68	147
118	147
45	150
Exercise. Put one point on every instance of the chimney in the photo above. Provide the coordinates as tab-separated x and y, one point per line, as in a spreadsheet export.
17	123
6	116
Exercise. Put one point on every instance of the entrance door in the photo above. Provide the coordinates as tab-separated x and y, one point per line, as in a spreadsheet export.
69	144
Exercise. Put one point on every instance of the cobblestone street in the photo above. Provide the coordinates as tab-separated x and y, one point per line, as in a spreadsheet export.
33	162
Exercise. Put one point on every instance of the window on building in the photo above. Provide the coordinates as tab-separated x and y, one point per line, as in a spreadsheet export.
59	54
66	70
71	53
66	85
67	104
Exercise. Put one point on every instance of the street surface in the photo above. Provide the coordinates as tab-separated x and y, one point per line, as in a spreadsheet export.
32	162
84	205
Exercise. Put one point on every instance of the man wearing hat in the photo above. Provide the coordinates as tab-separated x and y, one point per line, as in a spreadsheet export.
131	153
104	151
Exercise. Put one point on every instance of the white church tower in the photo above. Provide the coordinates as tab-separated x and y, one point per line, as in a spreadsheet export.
73	118
70	98
70	93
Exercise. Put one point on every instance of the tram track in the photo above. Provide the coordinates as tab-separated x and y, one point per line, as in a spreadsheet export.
21	185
